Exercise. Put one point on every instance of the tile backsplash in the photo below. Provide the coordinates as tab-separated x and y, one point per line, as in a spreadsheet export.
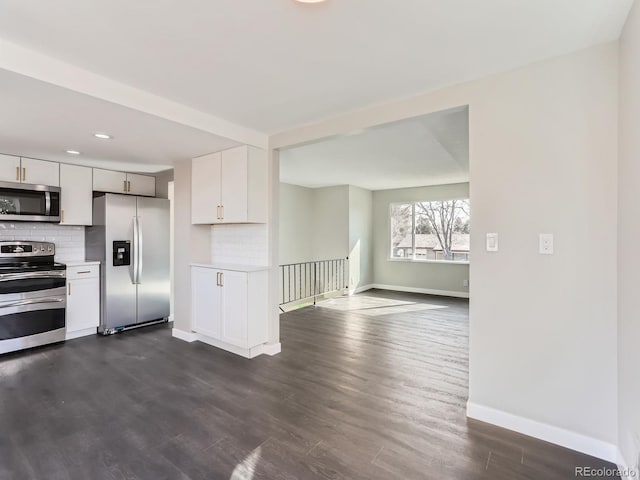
243	244
69	240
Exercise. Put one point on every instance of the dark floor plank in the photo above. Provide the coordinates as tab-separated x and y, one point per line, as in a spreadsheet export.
368	387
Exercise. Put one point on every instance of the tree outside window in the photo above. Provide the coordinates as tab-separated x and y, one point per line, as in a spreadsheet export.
435	230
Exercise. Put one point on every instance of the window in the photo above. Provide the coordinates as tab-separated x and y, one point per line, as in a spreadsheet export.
430	230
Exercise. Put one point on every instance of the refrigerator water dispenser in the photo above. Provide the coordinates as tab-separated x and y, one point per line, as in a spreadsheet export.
121	253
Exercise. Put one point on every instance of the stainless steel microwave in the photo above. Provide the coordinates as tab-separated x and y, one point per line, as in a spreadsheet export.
29	203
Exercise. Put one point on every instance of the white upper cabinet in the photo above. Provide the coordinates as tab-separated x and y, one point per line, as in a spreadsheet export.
120	182
40	172
10	168
205	189
230	187
109	181
76	195
28	170
141	185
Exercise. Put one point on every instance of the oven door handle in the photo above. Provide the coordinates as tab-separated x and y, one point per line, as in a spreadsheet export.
34	301
6	277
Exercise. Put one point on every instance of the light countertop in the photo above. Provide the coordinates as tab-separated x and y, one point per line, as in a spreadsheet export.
232	267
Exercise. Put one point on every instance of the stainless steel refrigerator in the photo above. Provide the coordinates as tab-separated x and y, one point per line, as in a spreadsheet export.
130	237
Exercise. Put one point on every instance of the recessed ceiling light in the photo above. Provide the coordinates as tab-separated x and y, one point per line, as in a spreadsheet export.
103	136
73	152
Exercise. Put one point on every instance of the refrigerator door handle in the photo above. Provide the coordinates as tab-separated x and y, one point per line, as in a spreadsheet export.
140	246
134	262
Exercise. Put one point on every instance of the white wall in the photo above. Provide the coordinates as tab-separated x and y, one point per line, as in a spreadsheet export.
360	238
543	144
296	224
330	219
443	277
69	240
628	241
192	245
162	183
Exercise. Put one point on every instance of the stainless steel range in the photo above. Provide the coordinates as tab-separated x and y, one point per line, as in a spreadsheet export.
32	295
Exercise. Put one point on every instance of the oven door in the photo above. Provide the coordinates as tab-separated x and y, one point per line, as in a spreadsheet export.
33	203
31	322
26	285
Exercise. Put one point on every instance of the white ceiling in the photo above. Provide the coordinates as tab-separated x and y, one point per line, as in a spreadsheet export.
428	150
42	121
273	64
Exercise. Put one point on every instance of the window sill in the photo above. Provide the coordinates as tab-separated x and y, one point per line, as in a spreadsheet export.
410	260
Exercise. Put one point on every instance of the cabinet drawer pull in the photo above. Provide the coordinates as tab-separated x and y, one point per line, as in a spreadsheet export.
84	271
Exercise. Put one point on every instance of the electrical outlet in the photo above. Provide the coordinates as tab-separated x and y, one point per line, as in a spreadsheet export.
546	243
465	283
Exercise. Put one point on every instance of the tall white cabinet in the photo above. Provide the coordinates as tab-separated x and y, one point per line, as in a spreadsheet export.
230	187
230	307
76	195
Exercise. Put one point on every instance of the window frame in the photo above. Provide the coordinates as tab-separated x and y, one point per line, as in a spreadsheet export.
413	259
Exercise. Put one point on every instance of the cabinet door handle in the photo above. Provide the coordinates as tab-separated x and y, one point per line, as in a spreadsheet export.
221	212
69	288
124	182
24	174
129	186
221	279
17	174
217	279
61	216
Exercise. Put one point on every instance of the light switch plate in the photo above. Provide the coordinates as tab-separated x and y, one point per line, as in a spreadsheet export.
546	243
492	242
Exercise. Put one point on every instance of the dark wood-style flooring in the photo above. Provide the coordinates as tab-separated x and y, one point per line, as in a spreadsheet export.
371	387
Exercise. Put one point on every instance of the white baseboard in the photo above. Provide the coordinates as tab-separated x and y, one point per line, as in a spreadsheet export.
182	335
81	333
428	291
548	433
272	349
265	348
170	318
361	289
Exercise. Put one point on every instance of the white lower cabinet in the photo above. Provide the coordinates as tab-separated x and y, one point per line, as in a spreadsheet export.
230	308
83	299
